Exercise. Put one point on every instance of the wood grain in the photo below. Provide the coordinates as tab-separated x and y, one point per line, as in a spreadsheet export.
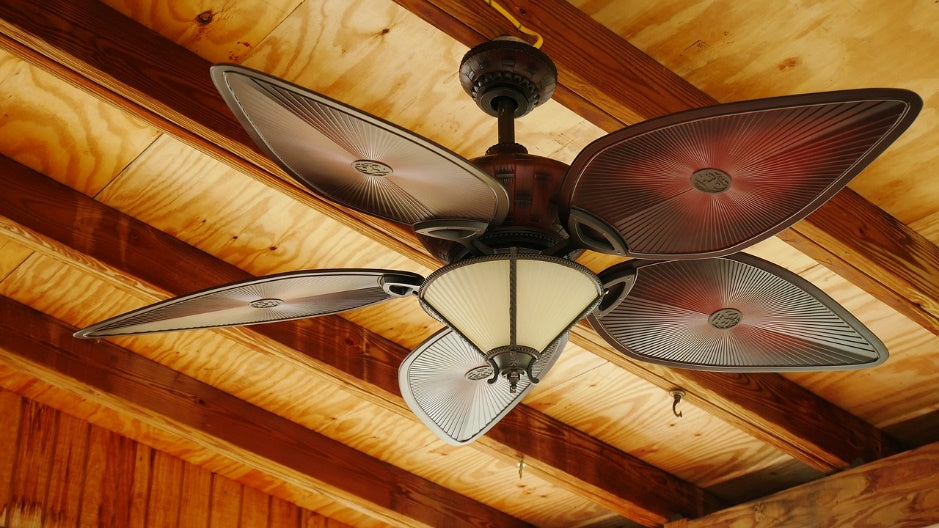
900	491
771	408
195	494
34	462
63	500
46	119
217	32
106	421
876	252
11	408
226	503
163	506
119	482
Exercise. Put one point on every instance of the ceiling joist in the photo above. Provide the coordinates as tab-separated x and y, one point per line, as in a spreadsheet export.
877	494
149	76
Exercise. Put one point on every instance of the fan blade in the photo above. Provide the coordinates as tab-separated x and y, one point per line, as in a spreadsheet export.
711	181
267	299
445	383
356	159
737	313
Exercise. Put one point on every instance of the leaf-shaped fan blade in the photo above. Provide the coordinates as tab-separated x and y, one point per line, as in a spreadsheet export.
445	383
280	297
711	181
737	313
356	159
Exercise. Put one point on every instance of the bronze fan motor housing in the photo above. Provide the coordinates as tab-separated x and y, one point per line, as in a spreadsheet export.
508	78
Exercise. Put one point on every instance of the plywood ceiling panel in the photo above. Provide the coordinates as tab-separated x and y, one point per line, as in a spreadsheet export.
67	134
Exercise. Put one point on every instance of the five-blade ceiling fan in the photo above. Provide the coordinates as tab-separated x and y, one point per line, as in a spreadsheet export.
680	195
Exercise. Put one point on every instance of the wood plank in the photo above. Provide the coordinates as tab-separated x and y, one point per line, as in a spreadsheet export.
769	407
139	496
629	86
52	117
95	466
255	507
119	479
63	502
39	343
163	508
899	491
12	254
195	496
283	514
34	464
11	416
39	203
105	421
226	503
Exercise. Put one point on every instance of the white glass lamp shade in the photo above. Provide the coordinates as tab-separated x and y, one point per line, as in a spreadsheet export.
474	297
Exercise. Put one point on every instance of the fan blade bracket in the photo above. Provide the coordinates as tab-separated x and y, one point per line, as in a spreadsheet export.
590	232
400	285
617	282
452	230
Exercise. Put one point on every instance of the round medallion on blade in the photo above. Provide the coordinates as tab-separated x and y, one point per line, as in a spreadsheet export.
371	167
482	372
725	318
711	181
266	303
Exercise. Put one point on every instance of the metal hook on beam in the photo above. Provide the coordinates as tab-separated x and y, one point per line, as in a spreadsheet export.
676	395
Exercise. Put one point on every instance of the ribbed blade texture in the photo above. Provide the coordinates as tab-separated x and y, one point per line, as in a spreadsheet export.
356	159
459	410
262	300
737	313
711	181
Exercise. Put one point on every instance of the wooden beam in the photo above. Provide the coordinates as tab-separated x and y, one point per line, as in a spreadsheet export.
44	347
565	456
902	490
613	84
147	75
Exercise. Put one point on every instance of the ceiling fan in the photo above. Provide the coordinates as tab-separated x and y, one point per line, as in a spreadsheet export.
680	195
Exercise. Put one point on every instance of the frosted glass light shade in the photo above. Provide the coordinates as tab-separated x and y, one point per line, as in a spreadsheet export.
474	297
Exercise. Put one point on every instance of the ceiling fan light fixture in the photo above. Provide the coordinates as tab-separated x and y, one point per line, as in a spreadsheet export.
511	302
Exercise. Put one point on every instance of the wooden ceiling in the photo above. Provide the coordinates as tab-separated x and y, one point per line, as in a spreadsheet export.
126	180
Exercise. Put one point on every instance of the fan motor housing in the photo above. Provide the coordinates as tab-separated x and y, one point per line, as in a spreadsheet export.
507	67
532	183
